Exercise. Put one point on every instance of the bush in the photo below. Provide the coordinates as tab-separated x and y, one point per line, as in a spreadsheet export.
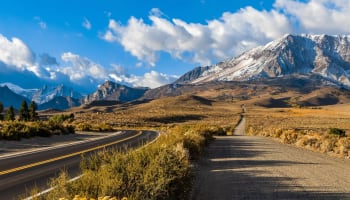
15	130
161	170
337	131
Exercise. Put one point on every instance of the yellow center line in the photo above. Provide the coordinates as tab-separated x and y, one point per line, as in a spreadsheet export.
66	156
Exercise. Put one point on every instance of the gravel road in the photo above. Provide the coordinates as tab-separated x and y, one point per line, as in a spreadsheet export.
246	167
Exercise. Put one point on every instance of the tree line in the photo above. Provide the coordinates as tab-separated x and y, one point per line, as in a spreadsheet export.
25	113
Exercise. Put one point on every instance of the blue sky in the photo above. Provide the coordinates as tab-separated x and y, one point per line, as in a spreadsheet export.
145	43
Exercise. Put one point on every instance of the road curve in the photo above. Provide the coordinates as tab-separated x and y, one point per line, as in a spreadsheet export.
246	167
24	171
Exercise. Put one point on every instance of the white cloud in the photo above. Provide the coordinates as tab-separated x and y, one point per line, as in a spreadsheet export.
150	79
81	68
16	55
86	24
319	16
218	39
18	65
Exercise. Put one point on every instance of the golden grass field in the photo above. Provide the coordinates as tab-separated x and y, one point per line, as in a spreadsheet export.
164	112
186	123
304	127
161	170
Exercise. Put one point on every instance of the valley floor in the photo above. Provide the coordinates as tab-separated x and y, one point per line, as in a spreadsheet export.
250	167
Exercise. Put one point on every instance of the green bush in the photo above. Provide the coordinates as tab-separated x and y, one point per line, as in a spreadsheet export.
337	131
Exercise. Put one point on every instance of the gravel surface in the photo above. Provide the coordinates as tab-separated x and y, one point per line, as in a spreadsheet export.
246	167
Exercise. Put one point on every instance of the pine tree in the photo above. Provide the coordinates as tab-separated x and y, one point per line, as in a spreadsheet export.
1	110
10	116
24	112
33	115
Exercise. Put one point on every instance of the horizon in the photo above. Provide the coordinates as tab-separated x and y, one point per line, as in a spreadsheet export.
146	45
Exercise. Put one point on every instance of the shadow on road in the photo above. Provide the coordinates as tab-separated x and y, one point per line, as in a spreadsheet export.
235	169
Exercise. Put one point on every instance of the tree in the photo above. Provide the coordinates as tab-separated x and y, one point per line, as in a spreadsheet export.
24	112
33	115
10	115
1	110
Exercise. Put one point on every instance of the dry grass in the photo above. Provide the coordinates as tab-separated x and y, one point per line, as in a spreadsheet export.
161	170
307	127
158	113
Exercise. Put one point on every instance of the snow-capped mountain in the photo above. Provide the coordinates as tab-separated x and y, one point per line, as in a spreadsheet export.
48	93
27	93
323	55
45	94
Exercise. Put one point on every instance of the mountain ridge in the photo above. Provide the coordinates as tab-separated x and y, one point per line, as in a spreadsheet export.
328	56
115	92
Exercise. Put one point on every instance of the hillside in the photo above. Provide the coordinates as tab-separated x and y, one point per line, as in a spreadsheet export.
9	98
110	91
322	55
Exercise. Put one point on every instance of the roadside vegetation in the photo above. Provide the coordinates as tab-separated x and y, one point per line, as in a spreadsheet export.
325	129
27	123
161	170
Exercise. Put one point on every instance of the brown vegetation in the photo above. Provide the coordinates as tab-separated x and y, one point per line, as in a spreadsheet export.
320	129
161	170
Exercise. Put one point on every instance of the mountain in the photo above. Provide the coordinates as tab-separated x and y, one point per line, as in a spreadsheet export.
60	103
10	98
45	94
48	93
322	55
111	91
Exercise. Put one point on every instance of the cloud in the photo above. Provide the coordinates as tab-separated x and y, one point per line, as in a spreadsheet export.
18	65
150	79
81	68
16	55
218	39
319	16
86	24
47	60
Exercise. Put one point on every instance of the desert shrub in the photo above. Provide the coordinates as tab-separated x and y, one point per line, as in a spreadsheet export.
344	147
289	137
153	173
12	131
15	130
103	127
59	119
84	127
337	131
161	170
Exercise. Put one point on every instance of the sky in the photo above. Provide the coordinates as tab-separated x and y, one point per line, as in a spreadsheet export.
145	43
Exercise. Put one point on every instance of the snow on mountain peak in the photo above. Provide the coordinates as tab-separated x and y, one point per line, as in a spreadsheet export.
45	94
324	55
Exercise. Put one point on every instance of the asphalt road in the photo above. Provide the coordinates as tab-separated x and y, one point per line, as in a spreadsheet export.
247	167
19	174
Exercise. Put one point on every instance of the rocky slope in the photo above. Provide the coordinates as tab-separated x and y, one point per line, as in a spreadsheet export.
323	55
115	92
60	103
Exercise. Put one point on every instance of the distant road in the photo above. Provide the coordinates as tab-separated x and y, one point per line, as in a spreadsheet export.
24	171
247	167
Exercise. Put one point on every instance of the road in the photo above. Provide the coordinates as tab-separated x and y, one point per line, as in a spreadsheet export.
19	173
247	167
